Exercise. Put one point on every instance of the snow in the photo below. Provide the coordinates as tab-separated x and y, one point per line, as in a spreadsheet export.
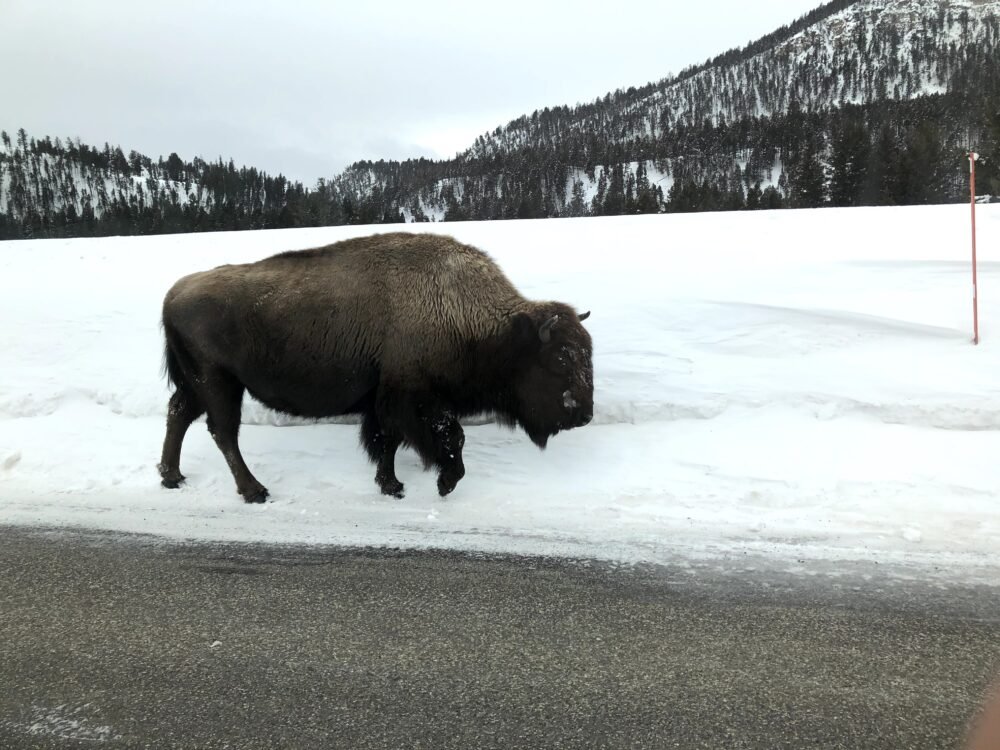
828	50
792	384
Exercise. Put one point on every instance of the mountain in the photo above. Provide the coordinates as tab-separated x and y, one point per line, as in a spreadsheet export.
856	103
56	188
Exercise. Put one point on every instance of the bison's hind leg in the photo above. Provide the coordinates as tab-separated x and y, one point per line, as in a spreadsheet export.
222	395
381	450
183	408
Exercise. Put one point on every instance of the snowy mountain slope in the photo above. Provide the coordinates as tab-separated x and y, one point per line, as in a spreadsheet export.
798	384
870	51
78	188
703	124
70	188
876	49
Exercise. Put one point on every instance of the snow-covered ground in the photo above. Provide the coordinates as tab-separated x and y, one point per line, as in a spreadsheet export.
795	384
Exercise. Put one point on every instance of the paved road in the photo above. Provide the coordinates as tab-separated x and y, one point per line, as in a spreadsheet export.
132	642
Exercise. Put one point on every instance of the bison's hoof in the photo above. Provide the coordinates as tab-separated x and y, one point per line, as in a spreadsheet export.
256	497
172	481
392	487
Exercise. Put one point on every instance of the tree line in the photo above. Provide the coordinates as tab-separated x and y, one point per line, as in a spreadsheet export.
881	115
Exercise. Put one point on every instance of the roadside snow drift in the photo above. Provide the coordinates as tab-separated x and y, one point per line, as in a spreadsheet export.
800	384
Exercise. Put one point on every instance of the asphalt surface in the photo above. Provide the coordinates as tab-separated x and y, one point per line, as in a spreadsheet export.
117	641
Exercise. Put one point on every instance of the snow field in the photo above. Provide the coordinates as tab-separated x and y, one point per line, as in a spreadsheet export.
797	384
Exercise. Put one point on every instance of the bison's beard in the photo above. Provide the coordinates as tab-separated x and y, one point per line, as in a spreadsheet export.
539	437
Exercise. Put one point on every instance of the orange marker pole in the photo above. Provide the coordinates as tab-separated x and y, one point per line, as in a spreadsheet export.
973	156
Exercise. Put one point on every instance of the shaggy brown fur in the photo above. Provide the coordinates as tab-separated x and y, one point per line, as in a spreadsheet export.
412	331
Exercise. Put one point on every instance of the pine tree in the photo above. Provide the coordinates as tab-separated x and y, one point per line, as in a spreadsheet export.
923	174
882	185
597	205
849	162
614	201
577	205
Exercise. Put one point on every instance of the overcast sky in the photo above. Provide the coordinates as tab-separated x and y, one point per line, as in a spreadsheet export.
305	87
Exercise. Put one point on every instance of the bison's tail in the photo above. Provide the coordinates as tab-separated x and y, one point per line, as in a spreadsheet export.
177	363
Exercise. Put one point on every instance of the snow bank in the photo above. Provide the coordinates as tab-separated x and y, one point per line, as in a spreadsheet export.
795	383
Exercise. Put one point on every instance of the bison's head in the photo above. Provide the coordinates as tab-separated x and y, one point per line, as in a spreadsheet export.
554	386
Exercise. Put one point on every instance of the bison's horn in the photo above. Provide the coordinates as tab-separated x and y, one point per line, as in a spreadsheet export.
545	332
584	316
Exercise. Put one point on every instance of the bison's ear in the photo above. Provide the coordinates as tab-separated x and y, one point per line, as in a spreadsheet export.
545	329
531	332
525	330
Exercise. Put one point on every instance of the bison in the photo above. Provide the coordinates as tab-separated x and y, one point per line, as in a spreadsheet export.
410	331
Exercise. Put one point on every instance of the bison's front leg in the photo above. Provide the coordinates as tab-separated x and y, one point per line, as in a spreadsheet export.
381	449
449	439
425	423
385	474
382	433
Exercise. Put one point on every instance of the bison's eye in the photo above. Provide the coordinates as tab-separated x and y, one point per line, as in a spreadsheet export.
564	359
